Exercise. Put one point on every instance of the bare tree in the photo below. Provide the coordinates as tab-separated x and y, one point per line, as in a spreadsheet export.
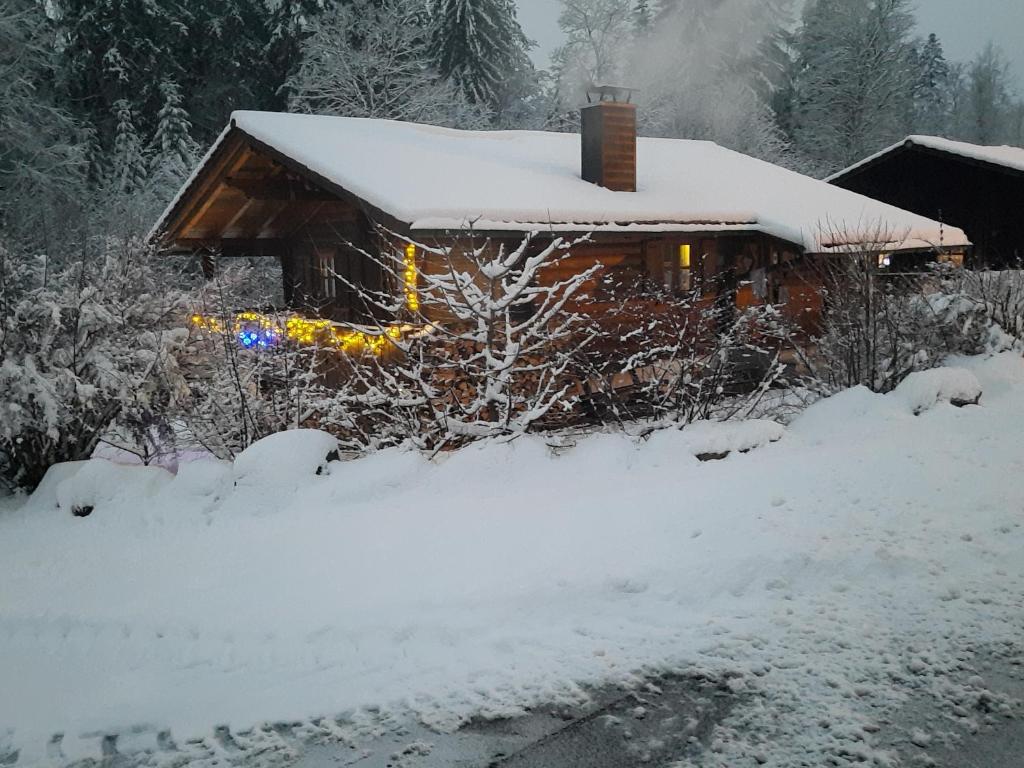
878	324
670	359
248	375
490	346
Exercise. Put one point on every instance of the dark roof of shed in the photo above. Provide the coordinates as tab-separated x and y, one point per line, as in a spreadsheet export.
1003	158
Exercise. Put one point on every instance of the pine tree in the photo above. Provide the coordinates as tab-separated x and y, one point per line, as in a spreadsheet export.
932	88
173	142
173	150
855	79
117	50
42	161
130	169
480	46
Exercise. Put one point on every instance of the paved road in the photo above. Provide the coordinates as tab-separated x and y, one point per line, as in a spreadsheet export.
670	722
970	718
658	723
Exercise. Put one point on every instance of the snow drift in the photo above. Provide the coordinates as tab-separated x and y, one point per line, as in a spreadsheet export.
504	575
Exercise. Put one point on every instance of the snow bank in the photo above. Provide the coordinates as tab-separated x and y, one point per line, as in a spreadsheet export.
504	575
99	484
291	457
718	439
922	390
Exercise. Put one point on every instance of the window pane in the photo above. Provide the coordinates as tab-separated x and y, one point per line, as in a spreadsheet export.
684	256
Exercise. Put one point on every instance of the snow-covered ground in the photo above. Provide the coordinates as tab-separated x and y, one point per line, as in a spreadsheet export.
820	573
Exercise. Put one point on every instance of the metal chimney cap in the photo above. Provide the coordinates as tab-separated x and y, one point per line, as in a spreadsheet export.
603	92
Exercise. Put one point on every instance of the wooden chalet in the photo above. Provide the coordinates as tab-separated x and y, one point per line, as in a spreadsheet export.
316	192
978	189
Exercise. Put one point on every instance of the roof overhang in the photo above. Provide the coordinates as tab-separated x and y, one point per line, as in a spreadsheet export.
183	227
212	172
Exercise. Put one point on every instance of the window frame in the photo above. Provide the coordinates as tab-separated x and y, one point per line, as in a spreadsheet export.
327	273
679	268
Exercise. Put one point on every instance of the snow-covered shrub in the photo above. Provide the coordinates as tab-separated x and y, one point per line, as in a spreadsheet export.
493	354
505	341
877	327
1001	297
84	350
237	395
674	359
923	389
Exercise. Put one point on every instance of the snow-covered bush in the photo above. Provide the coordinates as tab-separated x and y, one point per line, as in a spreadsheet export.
235	394
674	359
494	353
923	389
878	327
1001	297
502	341
85	351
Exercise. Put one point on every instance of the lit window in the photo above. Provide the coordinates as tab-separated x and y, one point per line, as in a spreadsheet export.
677	268
684	267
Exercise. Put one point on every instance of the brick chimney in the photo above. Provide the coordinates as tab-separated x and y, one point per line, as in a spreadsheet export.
609	138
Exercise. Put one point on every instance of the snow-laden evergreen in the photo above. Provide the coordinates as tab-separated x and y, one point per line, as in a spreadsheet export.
373	58
41	148
479	45
855	78
175	152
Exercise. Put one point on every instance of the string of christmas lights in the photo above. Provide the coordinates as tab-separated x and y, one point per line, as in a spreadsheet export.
259	331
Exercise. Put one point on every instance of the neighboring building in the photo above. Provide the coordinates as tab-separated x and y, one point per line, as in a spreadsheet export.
316	191
978	189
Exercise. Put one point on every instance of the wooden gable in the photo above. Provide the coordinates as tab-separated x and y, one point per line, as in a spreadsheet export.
248	197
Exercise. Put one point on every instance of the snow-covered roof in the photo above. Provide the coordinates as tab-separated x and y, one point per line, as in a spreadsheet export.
1005	156
434	179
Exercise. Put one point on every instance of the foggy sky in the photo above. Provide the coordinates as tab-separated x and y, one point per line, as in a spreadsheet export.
964	26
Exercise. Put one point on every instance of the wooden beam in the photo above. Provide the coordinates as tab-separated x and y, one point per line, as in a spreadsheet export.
373	212
268	226
234	219
196	200
233	246
278	189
